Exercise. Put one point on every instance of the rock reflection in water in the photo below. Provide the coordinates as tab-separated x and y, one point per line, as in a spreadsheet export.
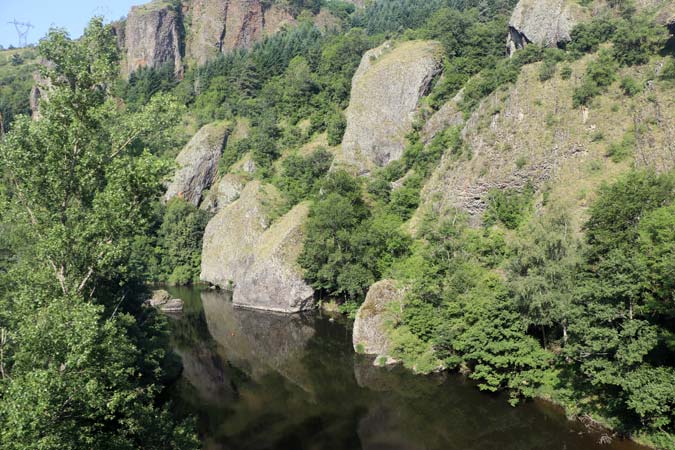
260	380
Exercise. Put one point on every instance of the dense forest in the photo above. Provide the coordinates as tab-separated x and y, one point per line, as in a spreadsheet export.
532	298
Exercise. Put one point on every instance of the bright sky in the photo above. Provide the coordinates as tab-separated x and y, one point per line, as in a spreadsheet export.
73	15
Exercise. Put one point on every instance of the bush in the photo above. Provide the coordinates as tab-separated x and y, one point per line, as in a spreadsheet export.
335	128
637	39
508	206
668	70
630	87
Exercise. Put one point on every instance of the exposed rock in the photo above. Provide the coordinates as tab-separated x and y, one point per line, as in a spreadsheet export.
273	281
386	90
531	134
198	163
370	333
159	298
242	252
448	115
543	22
172	306
152	37
162	300
223	193
207	29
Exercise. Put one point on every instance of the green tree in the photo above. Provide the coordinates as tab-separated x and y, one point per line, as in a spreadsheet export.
79	189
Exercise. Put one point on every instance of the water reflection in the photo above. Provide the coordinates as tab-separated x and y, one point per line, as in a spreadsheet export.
266	381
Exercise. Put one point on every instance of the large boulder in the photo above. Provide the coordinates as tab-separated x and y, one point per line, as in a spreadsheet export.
198	163
244	252
370	327
223	193
543	22
386	91
152	37
274	280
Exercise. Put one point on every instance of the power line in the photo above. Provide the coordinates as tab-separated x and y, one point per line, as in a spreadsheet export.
22	29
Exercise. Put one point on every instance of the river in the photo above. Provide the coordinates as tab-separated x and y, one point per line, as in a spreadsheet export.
258	380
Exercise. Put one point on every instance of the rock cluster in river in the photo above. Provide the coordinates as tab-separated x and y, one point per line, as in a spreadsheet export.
244	251
386	91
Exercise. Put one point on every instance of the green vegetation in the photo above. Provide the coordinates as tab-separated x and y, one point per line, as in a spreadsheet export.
76	344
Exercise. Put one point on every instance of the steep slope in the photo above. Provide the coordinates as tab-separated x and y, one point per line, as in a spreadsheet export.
386	91
532	134
153	37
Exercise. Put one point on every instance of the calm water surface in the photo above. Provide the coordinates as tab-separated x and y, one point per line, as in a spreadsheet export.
258	380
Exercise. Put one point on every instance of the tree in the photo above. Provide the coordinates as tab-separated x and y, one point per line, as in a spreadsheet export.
79	189
543	269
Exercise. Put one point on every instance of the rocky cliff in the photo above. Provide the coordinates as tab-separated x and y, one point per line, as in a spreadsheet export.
219	26
153	37
386	91
198	163
244	252
532	134
223	193
543	22
370	327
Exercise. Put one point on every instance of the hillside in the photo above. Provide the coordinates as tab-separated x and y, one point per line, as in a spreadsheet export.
485	187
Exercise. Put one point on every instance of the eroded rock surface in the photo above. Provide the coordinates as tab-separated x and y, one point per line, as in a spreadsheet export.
370	327
223	193
543	22
242	251
386	91
198	163
152	37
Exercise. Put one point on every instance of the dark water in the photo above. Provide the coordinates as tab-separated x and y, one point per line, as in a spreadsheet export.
257	380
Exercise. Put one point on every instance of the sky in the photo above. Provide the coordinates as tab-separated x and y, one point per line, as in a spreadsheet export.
73	15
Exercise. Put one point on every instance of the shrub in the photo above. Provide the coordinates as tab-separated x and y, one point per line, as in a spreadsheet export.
335	128
630	87
508	206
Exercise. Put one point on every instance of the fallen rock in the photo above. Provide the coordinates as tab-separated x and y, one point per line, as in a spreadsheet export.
386	91
370	327
243	252
542	22
159	298
172	306
223	193
152	37
198	163
163	301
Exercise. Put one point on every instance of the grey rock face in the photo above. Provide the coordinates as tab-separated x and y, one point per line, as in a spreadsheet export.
223	193
543	22
447	116
386	90
257	261
152	37
369	335
198	164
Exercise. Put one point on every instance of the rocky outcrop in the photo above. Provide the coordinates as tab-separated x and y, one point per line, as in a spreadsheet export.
223	193
448	115
386	91
370	327
242	251
532	135
543	22
162	300
152	37
220	26
198	163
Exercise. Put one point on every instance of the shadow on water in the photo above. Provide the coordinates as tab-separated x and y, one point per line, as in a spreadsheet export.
259	380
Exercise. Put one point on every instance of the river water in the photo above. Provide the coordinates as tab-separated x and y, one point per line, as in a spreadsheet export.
258	380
